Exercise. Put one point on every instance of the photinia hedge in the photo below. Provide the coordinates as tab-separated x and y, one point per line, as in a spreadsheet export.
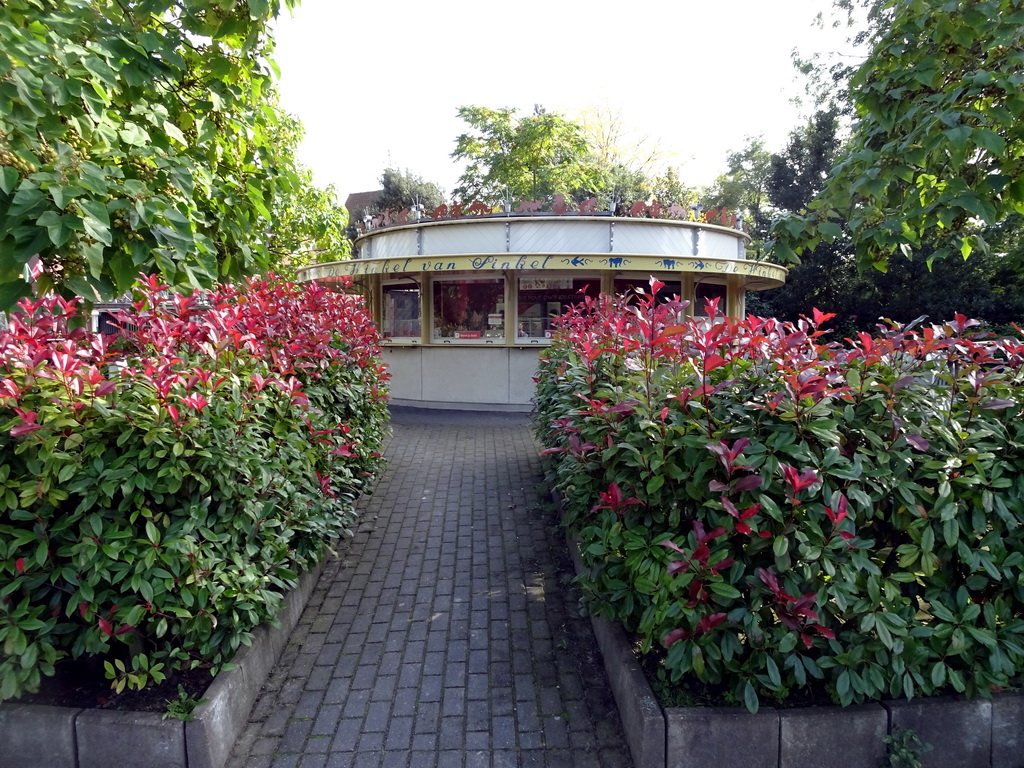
785	514
161	490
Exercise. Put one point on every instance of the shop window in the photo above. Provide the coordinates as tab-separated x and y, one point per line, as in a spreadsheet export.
469	310
542	299
400	315
629	285
705	292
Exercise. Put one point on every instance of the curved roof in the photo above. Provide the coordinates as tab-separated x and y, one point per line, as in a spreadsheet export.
555	242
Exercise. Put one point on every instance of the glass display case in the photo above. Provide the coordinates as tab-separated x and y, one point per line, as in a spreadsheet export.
469	310
400	311
543	298
706	292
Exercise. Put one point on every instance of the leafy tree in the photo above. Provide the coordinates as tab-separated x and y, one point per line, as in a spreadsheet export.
937	146
307	225
987	286
402	189
510	158
668	188
137	136
625	164
742	187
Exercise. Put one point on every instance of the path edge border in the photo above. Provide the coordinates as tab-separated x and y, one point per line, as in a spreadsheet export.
672	738
86	738
643	719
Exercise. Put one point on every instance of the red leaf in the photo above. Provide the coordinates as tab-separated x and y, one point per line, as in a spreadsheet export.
24	429
105	627
711	362
748	483
673	546
724	563
124	629
677	566
730	508
824	631
675	636
821	317
19	565
710	622
918	442
82	608
994	405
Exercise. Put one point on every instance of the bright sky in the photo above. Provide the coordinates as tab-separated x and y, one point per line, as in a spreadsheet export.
378	84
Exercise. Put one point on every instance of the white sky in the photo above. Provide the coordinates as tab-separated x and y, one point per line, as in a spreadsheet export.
378	84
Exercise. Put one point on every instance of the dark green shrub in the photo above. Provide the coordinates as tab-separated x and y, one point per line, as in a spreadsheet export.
156	505
786	513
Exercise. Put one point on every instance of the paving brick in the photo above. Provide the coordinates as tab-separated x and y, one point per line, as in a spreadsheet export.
295	736
377	716
337	690
449	660
346	737
399	733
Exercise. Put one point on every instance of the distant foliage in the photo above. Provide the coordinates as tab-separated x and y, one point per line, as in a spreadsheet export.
158	499
146	136
936	148
784	513
404	189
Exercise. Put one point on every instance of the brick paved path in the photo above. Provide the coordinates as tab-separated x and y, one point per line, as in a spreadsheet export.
448	634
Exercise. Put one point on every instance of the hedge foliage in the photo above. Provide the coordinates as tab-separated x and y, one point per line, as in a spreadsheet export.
158	500
786	513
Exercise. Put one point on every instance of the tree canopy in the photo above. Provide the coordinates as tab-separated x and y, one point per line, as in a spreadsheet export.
937	146
403	189
307	224
138	136
988	286
511	158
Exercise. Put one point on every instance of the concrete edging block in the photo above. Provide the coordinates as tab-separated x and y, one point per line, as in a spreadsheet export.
1008	730
841	737
963	734
31	734
128	740
642	718
959	731
219	721
724	737
61	737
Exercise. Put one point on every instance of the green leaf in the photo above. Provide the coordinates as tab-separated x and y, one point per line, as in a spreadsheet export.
97	222
723	589
830	229
750	700
990	141
258	9
12	291
959	136
780	546
8	179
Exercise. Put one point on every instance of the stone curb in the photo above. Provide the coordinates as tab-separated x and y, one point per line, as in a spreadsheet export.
60	737
962	734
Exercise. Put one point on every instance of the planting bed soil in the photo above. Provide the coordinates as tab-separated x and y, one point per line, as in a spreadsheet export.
80	684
